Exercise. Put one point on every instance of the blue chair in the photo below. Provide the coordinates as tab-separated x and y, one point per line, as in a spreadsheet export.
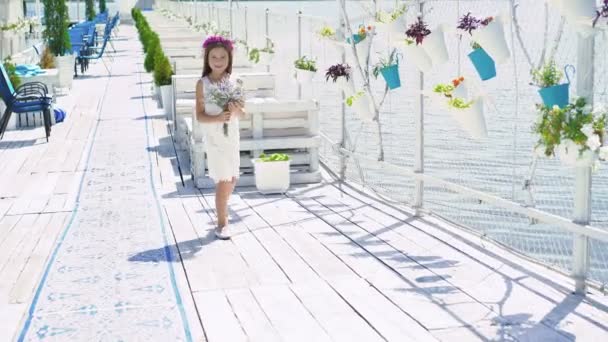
28	97
98	52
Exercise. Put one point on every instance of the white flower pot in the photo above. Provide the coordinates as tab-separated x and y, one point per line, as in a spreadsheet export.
569	155
304	76
419	56
65	65
362	49
461	91
492	40
397	26
363	108
348	87
434	45
472	119
167	98
271	177
158	97
266	58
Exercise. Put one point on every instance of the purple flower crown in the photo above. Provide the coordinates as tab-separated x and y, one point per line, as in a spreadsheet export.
218	40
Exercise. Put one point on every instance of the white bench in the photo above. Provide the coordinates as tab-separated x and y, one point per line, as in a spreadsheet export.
272	126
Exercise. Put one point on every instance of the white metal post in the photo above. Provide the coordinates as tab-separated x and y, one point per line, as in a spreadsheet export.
267	35
419	144
230	14
582	190
343	107
299	49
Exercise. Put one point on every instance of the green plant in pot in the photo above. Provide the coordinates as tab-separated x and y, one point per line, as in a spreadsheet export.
272	174
389	69
58	40
11	69
263	55
151	54
162	79
305	69
548	79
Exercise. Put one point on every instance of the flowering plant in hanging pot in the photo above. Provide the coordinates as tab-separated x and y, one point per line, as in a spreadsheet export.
489	34
483	63
548	78
393	21
468	113
327	32
389	68
575	133
416	34
361	103
341	74
305	69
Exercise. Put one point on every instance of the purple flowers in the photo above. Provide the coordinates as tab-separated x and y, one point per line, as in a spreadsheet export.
218	40
418	31
469	23
226	92
602	12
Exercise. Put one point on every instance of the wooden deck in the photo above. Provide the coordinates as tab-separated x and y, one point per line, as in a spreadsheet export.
322	263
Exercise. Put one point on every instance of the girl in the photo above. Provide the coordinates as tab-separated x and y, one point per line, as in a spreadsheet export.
222	149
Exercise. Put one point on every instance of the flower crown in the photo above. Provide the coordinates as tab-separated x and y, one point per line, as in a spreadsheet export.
218	40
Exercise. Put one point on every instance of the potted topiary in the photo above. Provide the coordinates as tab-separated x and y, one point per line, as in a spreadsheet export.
389	68
483	63
548	78
341	75
162	79
305	69
58	40
362	104
468	113
272	173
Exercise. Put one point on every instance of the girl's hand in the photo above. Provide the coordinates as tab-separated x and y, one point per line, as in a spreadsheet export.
224	116
236	108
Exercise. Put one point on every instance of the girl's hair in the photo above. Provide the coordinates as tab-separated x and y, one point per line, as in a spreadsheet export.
214	42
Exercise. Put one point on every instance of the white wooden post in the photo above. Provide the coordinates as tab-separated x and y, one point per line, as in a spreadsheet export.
419	144
582	190
299	49
267	34
343	107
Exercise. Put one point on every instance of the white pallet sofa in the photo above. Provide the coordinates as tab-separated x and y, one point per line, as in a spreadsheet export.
272	125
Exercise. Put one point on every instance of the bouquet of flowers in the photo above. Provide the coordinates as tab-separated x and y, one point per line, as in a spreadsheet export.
226	92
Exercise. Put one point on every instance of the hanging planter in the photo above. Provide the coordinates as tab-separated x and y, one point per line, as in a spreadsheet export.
576	134
483	63
272	173
305	69
418	56
468	114
389	69
487	33
362	104
263	56
392	22
342	77
434	45
416	36
552	93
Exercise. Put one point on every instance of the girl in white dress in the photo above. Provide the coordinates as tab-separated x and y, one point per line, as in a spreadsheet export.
223	156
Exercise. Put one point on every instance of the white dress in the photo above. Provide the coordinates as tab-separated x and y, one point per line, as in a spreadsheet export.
223	156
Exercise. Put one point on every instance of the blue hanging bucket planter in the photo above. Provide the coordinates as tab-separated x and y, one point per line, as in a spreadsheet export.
484	64
391	76
557	95
356	38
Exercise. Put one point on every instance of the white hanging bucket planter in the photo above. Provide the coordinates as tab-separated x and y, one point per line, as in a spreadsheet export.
419	57
461	91
396	26
362	49
266	58
304	76
240	57
348	87
271	177
166	93
570	156
434	45
471	119
492	39
363	107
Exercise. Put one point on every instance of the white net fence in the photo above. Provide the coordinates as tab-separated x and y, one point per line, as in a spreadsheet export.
498	165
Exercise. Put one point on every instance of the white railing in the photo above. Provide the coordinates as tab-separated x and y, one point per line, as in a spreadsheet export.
426	161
